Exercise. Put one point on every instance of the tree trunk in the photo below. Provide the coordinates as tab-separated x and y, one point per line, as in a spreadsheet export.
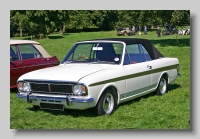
61	32
64	28
20	32
47	33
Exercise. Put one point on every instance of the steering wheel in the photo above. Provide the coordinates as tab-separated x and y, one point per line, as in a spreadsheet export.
85	57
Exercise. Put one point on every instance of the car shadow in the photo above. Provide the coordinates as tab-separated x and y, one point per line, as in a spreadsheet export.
180	42
69	112
14	90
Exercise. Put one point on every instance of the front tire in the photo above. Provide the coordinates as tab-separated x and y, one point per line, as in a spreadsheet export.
125	34
162	86
107	103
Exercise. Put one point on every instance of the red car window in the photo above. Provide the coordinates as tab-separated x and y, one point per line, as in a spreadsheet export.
28	51
13	53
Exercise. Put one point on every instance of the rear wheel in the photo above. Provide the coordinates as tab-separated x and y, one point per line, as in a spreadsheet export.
107	103
162	86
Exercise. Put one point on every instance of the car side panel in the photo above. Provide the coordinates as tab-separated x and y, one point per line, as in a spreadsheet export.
49	62
98	82
16	70
138	79
32	64
164	65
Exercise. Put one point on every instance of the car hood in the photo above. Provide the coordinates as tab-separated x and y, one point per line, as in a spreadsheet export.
68	72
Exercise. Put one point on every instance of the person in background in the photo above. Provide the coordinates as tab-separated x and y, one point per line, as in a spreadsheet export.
133	30
145	30
140	30
158	32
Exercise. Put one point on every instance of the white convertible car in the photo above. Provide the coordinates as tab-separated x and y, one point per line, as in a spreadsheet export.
100	74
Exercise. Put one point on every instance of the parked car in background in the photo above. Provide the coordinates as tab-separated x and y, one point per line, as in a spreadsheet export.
185	31
124	32
100	74
169	30
26	56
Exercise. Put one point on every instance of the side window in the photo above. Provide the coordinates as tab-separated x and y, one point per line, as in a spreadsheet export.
13	53
28	51
134	54
147	56
37	53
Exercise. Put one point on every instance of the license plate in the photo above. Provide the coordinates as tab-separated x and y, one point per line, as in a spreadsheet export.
52	106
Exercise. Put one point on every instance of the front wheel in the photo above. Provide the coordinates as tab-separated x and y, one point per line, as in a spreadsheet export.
162	86
125	34
107	103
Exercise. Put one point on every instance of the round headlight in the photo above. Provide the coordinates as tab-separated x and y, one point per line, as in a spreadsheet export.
26	87
77	90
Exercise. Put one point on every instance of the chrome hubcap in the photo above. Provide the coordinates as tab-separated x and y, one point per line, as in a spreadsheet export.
162	86
108	103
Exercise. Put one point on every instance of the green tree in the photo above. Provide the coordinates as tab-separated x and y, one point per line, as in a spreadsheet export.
181	17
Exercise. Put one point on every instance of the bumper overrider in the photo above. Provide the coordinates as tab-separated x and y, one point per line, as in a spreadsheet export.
57	102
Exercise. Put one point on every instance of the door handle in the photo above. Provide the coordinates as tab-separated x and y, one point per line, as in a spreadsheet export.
149	67
45	59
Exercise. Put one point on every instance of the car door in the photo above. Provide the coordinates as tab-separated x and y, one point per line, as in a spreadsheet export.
16	65
32	59
137	70
47	61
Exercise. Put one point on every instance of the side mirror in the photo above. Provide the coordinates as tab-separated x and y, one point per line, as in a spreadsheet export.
10	59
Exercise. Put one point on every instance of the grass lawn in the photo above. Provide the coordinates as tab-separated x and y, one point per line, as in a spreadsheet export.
170	111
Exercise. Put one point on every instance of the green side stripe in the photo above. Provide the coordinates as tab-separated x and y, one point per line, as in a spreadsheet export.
135	75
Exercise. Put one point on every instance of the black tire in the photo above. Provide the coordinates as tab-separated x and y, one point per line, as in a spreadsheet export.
125	34
162	86
107	103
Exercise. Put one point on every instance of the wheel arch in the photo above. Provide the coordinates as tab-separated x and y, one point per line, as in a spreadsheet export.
166	75
113	87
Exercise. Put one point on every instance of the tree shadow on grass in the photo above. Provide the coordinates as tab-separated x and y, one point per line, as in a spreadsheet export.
90	112
183	42
46	37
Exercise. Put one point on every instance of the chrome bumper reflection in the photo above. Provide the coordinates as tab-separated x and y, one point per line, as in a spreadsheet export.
68	102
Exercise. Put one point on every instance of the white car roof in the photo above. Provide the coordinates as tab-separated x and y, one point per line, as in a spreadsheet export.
44	53
23	42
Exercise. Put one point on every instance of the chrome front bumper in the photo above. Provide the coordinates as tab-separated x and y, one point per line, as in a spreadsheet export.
67	102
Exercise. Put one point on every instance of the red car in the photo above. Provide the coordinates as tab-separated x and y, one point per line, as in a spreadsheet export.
26	56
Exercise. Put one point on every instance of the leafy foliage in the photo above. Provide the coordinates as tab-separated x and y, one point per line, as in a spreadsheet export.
44	22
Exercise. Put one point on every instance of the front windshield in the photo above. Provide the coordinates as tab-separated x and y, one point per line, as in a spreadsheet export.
100	52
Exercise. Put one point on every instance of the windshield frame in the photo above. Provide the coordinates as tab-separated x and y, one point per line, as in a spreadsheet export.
65	60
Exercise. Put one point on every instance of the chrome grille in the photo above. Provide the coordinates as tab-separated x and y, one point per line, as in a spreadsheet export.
52	88
61	88
39	87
